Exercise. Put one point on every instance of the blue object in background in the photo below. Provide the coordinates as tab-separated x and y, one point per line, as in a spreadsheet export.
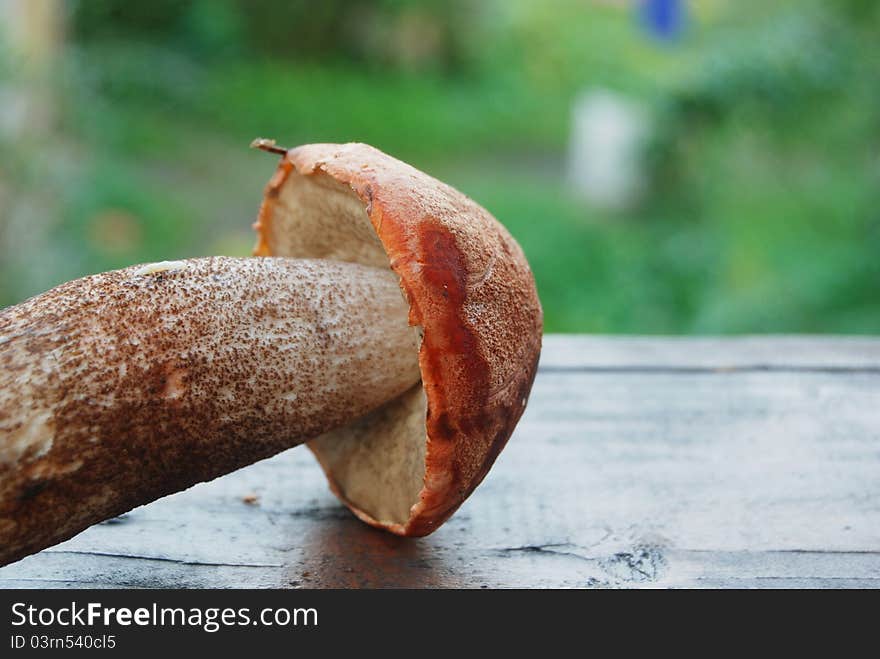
664	19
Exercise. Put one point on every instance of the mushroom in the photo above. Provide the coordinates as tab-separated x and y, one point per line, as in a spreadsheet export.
122	387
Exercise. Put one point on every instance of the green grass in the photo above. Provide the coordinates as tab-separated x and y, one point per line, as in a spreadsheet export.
762	216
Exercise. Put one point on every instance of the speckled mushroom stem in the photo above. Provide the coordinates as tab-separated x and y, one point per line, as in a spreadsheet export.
125	386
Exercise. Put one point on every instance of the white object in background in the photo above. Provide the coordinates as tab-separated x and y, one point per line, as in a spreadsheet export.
605	147
31	36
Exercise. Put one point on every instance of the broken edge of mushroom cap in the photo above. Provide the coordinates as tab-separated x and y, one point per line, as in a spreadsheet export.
470	291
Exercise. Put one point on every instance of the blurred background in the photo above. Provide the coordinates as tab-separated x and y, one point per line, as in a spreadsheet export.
668	166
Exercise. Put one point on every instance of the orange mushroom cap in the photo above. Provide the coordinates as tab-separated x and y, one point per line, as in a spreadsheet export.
409	465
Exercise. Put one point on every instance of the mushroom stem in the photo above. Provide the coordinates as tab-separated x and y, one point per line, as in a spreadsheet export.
122	387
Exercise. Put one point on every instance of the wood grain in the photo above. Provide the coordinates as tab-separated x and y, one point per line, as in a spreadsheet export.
640	462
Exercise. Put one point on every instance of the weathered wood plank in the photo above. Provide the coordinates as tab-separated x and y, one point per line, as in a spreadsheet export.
573	352
680	476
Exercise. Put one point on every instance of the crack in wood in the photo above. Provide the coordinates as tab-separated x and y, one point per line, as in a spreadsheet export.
547	549
42	580
831	552
164	559
643	563
766	577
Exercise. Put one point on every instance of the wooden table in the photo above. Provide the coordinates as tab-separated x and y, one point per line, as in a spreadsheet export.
640	462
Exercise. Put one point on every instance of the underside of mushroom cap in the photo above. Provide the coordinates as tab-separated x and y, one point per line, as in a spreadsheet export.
407	466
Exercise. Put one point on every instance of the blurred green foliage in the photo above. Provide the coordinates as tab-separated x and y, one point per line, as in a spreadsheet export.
762	213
